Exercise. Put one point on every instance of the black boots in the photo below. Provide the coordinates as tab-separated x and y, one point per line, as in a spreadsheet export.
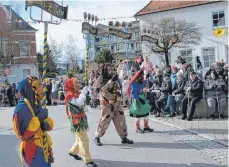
91	164
97	141
148	129
125	140
75	156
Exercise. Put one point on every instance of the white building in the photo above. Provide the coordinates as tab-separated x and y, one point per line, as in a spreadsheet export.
210	15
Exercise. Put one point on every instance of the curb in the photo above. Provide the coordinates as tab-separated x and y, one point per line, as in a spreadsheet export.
193	132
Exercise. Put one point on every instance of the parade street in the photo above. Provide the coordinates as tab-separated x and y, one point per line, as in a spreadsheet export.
157	149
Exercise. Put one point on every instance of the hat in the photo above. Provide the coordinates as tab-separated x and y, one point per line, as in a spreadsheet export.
193	73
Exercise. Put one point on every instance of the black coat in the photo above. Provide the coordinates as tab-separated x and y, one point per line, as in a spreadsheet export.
179	87
196	88
166	88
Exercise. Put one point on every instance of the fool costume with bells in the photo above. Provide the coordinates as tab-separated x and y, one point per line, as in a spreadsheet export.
140	106
111	109
74	101
31	124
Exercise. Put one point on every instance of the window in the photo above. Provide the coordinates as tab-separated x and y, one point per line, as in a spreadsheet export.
187	55
97	49
132	46
218	19
208	56
136	35
26	73
24	48
112	48
227	54
96	39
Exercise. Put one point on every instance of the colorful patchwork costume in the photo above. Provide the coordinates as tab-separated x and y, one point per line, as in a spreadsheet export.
31	124
74	101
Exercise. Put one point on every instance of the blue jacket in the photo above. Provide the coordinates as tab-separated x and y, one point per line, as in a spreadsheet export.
173	78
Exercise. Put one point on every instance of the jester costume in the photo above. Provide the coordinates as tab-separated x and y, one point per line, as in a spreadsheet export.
31	124
140	106
111	107
74	101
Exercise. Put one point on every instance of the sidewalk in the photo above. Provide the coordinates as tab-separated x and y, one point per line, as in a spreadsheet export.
216	130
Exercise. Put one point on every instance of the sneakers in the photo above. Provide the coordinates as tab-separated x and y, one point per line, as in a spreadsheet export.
125	140
139	130
97	141
148	129
91	164
75	156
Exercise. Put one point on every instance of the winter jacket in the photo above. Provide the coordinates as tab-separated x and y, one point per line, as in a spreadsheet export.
179	87
196	88
215	88
166	88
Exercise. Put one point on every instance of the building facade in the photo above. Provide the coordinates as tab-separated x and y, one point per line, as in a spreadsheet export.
210	15
127	48
24	59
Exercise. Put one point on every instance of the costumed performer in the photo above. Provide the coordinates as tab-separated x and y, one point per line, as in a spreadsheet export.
30	124
111	109
74	101
140	106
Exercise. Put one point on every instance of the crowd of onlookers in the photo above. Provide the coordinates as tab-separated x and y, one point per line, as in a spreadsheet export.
175	89
9	95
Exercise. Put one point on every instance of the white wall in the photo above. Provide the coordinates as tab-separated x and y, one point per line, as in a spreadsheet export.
17	72
202	16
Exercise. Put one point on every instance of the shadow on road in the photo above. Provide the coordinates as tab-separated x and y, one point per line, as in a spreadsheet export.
9	154
105	163
201	131
153	145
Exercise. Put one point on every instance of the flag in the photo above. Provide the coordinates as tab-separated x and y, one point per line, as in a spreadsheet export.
219	31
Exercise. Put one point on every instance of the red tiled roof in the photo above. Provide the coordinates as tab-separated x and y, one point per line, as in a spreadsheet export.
155	6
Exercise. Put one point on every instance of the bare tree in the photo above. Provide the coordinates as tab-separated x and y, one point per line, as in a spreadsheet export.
71	53
168	33
8	29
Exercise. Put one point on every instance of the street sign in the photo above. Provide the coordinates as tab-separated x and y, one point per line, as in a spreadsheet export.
51	7
88	27
7	71
119	33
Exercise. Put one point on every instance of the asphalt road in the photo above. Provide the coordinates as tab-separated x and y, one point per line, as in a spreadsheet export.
155	149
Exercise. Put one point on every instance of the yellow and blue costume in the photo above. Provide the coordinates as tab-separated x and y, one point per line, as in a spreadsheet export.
31	124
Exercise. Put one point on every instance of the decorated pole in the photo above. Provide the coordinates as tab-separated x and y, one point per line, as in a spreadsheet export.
45	56
87	30
86	65
116	71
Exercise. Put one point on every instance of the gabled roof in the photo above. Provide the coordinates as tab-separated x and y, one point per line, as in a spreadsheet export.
23	25
156	6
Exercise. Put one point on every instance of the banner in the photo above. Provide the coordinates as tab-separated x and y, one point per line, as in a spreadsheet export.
120	33
51	7
88	27
147	38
